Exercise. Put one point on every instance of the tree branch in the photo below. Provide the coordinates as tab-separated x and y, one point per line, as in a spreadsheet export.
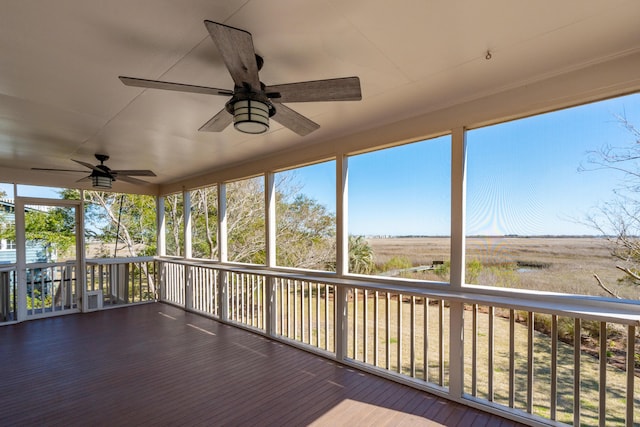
602	285
629	272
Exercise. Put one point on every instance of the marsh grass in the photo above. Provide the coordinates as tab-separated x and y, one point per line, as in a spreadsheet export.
558	264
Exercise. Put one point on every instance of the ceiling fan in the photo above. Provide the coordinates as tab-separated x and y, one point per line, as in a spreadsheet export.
252	103
102	176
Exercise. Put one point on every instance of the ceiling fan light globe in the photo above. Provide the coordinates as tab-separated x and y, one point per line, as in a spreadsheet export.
251	116
101	182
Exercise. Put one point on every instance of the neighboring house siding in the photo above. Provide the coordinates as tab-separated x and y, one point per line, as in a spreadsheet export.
35	252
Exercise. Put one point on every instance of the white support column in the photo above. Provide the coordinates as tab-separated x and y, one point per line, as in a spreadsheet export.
21	275
188	270
81	255
458	200
161	227
223	299
457	270
342	256
270	231
270	220
186	207
342	232
161	249
222	223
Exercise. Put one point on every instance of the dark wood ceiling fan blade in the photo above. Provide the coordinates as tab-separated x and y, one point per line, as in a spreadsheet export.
85	179
341	89
217	123
178	87
88	165
57	170
135	172
294	120
130	180
236	47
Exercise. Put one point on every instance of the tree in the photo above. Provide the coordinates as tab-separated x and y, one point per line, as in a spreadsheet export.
204	217
121	222
305	230
305	233
125	221
174	220
53	230
246	221
618	220
360	255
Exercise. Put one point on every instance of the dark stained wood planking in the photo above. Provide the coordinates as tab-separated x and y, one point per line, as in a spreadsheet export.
154	364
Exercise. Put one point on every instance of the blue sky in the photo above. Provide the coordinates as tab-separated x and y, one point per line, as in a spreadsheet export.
522	177
30	191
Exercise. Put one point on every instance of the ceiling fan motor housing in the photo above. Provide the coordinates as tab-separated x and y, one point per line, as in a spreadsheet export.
101	176
250	110
101	180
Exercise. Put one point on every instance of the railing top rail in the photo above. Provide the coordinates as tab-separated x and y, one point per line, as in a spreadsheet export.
107	261
7	267
50	264
582	306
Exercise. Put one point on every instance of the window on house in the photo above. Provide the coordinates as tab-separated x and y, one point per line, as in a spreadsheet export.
552	200
305	217
246	221
399	211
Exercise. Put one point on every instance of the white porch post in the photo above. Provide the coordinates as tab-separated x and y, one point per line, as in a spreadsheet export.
161	249
21	275
342	256
81	255
188	276
223	299
270	231
161	227
186	206
457	270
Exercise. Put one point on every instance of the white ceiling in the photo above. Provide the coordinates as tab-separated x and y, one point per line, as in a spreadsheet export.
60	97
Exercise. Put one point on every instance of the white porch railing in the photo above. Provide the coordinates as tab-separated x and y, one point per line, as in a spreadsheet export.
122	280
51	289
524	355
304	312
8	293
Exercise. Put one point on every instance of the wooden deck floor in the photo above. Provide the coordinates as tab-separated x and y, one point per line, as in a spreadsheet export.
156	365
